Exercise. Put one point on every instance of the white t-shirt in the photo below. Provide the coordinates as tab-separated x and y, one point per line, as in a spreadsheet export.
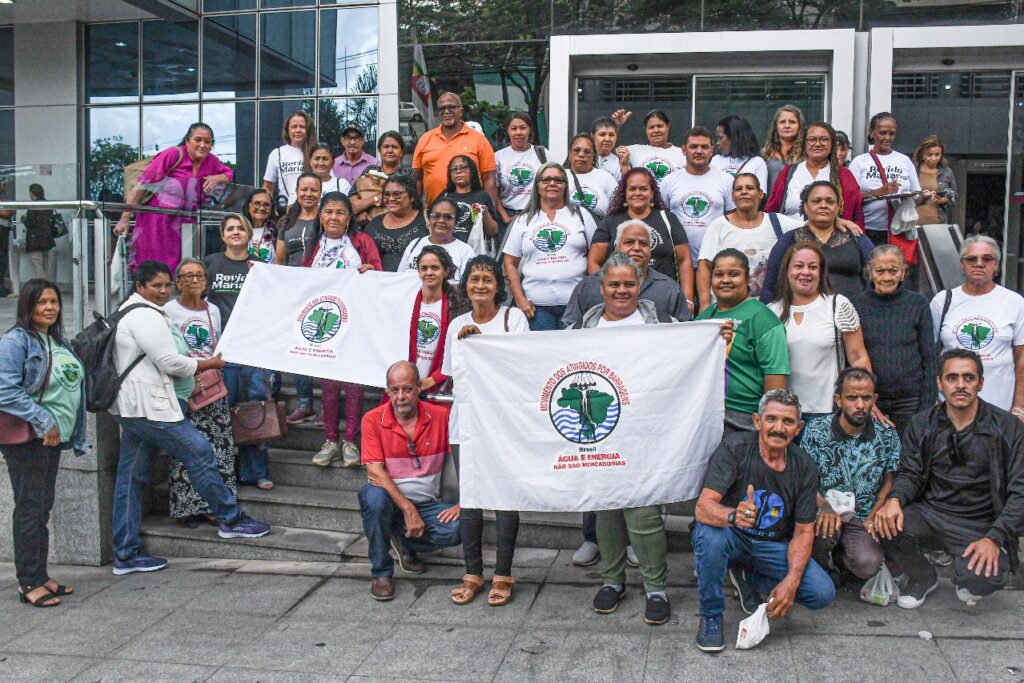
898	168
697	200
798	179
660	161
990	325
517	322
553	253
598	187
636	319
428	334
195	327
516	174
812	348
457	249
756	243
732	165
337	252
335	185
284	166
610	164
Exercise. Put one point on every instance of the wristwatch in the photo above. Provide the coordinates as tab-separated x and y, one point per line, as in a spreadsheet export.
731	518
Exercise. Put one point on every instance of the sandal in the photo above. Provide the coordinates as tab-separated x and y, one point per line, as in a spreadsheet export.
501	591
60	590
47	599
471	585
264	484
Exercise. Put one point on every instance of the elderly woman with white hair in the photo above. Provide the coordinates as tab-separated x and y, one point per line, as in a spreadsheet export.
988	319
549	242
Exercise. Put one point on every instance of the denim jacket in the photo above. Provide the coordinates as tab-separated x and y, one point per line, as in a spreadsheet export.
22	368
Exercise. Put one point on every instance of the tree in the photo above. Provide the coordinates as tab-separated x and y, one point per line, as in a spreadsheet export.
107	159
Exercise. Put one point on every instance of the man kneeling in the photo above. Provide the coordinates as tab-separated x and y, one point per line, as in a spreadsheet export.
404	444
755	519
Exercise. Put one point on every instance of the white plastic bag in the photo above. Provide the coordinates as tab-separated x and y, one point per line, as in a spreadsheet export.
904	220
843	503
753	629
117	264
478	240
880	589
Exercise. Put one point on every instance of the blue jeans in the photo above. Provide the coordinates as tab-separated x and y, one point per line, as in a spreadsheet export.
141	440
244	383
304	390
547	318
715	549
381	518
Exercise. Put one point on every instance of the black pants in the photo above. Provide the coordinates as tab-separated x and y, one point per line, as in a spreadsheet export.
900	411
506	530
925	528
33	469
590	527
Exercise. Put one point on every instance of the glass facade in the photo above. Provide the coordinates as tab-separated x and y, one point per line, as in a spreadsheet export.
6	99
242	68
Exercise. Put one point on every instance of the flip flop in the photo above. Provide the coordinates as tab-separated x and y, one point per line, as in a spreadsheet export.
471	585
501	591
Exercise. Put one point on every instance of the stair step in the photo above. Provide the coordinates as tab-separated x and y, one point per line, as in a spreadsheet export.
295	468
164	537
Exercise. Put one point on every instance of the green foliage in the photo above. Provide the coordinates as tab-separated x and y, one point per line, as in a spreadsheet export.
107	159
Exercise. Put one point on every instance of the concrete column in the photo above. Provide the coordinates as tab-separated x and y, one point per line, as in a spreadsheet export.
391	85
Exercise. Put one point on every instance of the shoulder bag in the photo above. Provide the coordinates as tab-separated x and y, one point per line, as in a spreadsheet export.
13	430
209	383
256	422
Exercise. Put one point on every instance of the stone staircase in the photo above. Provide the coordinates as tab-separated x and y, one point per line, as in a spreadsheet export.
315	512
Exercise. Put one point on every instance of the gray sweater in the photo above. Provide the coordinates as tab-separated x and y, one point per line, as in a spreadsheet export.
658	288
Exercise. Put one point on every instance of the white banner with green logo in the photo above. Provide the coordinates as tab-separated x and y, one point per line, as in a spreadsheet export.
326	323
595	419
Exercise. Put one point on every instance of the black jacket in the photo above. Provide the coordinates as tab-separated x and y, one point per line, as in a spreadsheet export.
996	433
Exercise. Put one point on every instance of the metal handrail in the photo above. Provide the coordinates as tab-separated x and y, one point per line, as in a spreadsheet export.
81	205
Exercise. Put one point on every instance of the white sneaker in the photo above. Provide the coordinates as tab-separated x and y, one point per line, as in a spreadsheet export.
586	555
914	595
967	597
327	454
350	455
631	558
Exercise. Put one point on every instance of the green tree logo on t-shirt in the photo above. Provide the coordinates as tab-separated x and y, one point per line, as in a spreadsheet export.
196	336
696	205
975	333
659	168
588	200
520	176
550	239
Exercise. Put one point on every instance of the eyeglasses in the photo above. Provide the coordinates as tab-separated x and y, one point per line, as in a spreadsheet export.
191	276
458	169
442	216
987	259
394	195
261	205
582	150
552	180
411	447
818	141
449	107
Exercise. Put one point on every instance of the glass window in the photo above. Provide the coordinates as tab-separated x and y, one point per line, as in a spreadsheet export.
170	57
602	96
278	4
6	139
112	62
227	5
336	114
937	13
757	98
272	116
234	125
113	135
165	125
6	65
348	51
287	53
229	56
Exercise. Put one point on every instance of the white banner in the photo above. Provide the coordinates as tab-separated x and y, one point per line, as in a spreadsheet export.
326	323
596	419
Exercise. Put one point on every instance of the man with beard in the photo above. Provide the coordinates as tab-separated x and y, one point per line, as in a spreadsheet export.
857	455
959	488
404	444
756	512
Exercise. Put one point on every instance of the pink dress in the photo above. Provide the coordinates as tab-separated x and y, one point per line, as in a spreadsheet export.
157	237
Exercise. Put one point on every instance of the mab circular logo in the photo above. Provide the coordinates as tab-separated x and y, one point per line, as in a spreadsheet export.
975	333
696	205
520	176
428	328
589	198
550	238
658	167
321	318
584	407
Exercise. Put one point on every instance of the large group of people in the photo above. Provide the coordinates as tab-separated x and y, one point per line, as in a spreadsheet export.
840	376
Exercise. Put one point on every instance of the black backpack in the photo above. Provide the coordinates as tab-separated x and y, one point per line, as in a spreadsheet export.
95	347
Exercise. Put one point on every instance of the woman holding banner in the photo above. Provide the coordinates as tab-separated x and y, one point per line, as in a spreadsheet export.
333	246
484	286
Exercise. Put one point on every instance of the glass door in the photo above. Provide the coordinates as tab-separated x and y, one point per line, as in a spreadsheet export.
1012	244
756	98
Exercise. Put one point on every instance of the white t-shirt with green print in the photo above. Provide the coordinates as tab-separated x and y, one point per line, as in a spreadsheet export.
598	187
660	161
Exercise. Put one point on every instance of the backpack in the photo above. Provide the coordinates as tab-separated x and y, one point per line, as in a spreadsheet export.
133	170
94	346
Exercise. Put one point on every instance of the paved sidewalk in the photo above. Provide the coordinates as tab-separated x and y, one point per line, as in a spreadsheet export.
227	620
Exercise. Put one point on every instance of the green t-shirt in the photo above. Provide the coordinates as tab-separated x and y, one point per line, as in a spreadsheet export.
183	386
758	348
63	394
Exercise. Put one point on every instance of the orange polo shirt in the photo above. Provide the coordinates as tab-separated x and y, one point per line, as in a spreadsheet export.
433	152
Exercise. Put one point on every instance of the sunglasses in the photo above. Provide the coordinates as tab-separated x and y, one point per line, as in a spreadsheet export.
394	195
552	180
411	447
442	216
988	259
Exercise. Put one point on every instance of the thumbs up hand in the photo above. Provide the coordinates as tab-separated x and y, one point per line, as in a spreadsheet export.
746	511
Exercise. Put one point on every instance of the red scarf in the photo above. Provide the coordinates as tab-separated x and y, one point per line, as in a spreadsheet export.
435	364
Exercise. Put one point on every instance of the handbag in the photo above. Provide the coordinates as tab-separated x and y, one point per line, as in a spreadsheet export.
15	431
209	383
256	422
57	226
